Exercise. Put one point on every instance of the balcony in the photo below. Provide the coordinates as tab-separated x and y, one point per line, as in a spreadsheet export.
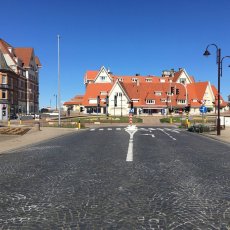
4	86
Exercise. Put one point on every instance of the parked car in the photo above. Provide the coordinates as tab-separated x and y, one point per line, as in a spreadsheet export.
13	116
35	116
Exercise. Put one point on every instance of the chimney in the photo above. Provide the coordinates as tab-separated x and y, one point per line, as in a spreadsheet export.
138	82
137	74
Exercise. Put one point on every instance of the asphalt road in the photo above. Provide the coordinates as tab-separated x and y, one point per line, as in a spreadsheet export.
175	180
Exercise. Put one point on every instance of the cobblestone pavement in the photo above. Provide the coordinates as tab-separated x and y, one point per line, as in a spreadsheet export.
177	180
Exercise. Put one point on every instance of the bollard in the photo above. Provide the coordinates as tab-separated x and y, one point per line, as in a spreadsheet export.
79	124
37	126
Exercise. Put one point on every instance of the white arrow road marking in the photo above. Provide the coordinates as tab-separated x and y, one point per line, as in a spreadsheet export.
162	130
147	134
144	129
131	130
152	129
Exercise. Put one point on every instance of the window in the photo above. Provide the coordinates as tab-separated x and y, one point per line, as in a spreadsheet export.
150	101
148	79
134	79
103	78
162	80
103	93
3	79
181	101
3	94
183	80
120	79
158	93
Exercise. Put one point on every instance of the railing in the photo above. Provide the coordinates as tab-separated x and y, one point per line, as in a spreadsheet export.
4	86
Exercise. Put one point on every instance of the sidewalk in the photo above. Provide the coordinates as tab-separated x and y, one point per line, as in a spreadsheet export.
224	135
12	142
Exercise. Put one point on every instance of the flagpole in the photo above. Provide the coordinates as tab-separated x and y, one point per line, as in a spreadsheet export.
59	84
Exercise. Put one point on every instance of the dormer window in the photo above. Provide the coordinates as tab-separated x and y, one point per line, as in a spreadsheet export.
120	79
158	93
148	80
134	79
150	101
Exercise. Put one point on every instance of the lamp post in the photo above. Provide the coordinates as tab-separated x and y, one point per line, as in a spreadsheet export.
219	62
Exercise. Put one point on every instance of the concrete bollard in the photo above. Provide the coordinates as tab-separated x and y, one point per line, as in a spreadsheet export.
37	126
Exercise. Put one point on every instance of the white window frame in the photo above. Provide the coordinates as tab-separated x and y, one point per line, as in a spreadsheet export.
150	101
158	93
4	79
134	79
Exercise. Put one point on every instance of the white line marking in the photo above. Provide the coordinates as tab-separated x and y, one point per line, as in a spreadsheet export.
131	130
101	129
109	129
152	129
172	130
118	128
144	129
92	129
147	134
129	156
162	130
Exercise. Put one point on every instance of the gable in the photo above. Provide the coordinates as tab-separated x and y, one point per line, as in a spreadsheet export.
208	95
182	77
103	76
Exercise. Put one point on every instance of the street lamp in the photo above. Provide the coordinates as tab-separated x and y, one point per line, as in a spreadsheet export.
219	62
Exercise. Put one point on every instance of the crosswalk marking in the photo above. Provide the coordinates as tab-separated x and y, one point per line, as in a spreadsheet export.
150	131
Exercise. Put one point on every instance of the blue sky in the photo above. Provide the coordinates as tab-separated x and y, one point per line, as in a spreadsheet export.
128	36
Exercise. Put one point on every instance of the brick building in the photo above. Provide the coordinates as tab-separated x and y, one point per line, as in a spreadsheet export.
19	80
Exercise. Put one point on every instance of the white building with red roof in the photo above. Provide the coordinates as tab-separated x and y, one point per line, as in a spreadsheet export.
174	90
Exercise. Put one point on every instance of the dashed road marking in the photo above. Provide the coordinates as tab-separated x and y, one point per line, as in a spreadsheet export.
162	130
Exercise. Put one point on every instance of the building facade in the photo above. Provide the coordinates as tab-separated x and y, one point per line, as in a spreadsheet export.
147	95
19	80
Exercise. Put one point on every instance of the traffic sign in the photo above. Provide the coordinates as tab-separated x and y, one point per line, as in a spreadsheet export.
203	109
131	110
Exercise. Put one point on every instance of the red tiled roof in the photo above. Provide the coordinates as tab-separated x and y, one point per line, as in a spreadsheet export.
145	91
24	54
77	100
37	61
93	90
215	92
91	74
